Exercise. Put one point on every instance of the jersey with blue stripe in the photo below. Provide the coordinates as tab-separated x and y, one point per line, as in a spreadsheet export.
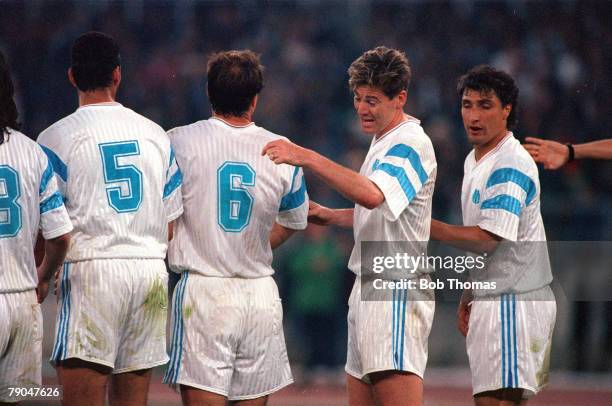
120	181
29	201
403	165
501	194
232	196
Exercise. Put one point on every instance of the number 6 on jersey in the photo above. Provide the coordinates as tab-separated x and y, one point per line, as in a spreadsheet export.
235	203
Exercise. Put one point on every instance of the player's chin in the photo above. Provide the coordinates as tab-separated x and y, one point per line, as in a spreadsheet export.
368	128
476	139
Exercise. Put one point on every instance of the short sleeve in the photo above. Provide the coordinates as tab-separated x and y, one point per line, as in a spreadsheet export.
54	219
508	190
57	163
401	174
173	197
293	210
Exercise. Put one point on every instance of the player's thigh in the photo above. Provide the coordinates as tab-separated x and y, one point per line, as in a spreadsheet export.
20	341
397	388
359	392
82	382
94	298
207	314
142	337
393	334
501	397
353	365
198	397
261	401
262	364
508	343
486	357
130	388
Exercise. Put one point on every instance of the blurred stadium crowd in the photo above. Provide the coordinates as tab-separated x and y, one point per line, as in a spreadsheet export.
560	53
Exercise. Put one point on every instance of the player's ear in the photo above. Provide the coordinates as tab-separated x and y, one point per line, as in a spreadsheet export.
253	104
402	97
117	76
506	111
71	78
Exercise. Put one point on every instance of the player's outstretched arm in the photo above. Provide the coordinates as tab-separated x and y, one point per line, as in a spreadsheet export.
555	154
348	183
468	238
55	253
279	235
324	216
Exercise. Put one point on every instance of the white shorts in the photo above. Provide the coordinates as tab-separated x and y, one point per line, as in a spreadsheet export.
228	337
113	312
388	335
20	342
509	340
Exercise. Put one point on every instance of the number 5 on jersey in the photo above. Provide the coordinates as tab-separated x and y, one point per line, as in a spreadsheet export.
234	202
128	175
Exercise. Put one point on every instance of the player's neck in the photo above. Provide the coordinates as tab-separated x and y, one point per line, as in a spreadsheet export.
482	150
238	121
105	95
397	120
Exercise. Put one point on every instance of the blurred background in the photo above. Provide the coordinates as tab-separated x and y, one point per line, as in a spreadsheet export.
560	53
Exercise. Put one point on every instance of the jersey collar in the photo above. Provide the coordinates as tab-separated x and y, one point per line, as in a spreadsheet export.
409	119
233	125
509	135
105	104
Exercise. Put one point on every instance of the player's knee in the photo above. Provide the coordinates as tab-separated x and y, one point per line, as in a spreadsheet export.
510	395
73	364
392	375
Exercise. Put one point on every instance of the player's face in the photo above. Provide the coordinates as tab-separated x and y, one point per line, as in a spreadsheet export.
484	117
378	113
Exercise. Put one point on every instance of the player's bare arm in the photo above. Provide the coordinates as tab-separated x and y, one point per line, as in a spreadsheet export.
279	235
555	154
170	230
348	183
463	311
325	216
55	253
473	239
39	249
468	238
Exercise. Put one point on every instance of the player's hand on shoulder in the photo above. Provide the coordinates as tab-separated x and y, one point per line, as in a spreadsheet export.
283	151
319	215
550	153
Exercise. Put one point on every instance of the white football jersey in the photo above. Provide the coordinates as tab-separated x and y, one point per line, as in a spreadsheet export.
232	196
29	200
120	181
403	165
501	194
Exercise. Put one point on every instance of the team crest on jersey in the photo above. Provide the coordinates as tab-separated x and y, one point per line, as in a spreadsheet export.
476	196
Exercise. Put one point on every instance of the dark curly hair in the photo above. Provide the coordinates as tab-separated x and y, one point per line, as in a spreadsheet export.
8	108
484	78
384	68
